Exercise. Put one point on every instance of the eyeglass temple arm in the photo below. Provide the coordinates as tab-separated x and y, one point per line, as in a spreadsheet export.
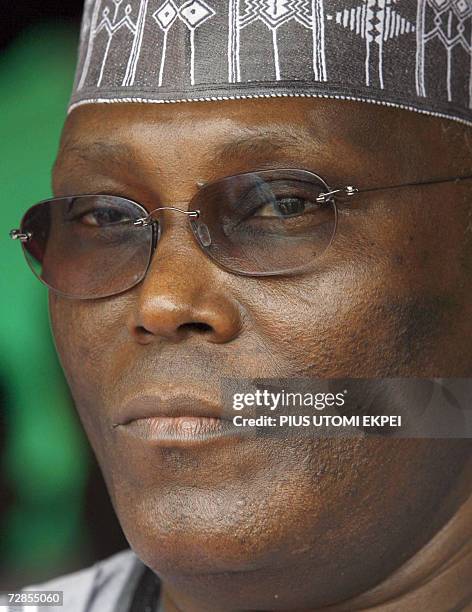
17	234
350	190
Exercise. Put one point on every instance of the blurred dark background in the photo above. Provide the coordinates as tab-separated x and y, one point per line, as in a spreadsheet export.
55	514
19	15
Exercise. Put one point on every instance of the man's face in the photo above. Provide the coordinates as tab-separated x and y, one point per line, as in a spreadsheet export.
391	297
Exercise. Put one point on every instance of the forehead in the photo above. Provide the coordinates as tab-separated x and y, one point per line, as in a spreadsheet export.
325	133
320	118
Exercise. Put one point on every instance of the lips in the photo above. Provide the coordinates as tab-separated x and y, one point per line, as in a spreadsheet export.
178	420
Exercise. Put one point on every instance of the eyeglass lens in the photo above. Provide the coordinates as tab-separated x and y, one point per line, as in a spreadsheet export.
258	223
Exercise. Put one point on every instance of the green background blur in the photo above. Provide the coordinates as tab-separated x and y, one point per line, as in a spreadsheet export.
46	464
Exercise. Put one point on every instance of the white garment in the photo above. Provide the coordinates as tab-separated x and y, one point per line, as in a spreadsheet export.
106	586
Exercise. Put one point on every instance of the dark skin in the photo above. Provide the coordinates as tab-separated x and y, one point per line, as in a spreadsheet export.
283	523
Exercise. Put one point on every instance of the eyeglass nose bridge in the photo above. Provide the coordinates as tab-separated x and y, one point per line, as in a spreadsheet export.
148	220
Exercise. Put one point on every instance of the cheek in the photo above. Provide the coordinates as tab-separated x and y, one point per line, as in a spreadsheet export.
342	325
386	302
86	333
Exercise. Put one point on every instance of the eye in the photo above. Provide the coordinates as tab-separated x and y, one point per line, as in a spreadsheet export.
283	207
102	217
282	199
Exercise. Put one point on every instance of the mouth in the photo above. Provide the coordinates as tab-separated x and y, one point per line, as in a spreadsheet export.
174	421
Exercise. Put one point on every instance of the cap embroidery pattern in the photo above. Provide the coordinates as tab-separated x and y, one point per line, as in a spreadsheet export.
411	53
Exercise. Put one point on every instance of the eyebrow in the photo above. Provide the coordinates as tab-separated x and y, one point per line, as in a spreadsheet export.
97	151
258	143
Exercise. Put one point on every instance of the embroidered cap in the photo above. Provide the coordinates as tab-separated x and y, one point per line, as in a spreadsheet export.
412	54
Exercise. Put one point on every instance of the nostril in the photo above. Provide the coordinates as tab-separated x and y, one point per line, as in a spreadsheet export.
182	331
142	331
196	327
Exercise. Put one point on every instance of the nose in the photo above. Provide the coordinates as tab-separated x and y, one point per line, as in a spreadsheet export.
183	294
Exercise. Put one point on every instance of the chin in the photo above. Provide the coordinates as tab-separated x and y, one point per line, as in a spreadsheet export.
175	534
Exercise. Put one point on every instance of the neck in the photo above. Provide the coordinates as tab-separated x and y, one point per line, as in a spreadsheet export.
436	578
